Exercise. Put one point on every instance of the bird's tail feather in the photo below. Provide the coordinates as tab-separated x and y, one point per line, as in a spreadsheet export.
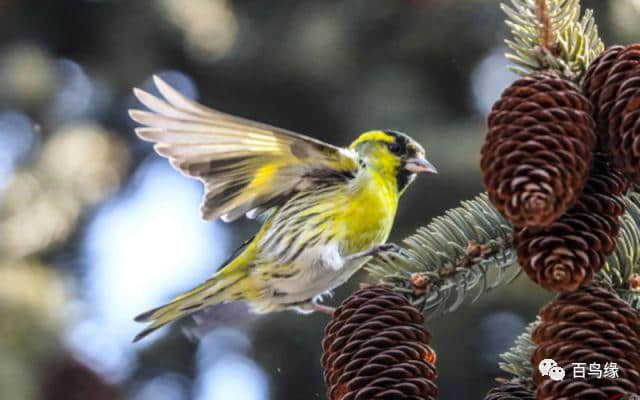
220	288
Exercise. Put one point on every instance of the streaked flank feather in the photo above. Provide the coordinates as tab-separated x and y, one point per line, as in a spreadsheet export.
325	209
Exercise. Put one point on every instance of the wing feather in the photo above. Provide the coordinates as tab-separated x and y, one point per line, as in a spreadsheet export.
246	166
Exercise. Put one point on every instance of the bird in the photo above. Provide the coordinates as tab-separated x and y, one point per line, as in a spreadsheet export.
325	210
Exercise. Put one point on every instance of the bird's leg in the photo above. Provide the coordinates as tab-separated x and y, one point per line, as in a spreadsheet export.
374	251
315	307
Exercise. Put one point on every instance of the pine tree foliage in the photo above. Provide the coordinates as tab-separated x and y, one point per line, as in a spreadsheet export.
551	35
469	251
625	261
517	360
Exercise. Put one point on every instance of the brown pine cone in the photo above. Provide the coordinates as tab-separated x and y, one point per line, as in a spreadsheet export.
591	325
511	390
376	347
594	85
612	83
537	154
566	254
628	101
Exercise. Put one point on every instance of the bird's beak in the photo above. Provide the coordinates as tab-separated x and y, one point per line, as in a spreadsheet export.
419	164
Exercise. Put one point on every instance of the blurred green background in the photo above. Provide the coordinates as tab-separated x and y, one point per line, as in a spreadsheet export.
95	228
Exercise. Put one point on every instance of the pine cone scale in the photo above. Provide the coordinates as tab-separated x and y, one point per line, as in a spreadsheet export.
512	390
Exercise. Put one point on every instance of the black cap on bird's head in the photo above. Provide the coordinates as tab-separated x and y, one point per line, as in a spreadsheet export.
409	151
393	152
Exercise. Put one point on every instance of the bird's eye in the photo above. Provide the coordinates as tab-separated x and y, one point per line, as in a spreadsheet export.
394	147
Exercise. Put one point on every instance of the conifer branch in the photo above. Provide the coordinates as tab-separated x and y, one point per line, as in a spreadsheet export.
469	251
550	35
547	35
517	360
623	266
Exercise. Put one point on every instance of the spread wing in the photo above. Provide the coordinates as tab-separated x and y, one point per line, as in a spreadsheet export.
245	166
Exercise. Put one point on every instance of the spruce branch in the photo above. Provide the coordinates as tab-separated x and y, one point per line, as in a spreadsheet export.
517	360
469	251
623	266
550	35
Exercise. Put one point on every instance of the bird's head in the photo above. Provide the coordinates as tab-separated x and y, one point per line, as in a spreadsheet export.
394	154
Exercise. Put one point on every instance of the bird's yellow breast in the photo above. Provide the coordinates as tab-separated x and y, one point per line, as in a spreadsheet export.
367	216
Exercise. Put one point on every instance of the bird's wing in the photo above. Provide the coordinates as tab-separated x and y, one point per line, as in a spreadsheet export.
245	166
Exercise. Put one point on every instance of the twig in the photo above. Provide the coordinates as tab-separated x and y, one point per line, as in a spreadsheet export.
547	36
423	282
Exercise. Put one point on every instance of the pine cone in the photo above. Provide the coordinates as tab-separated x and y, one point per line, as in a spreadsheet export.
612	84
591	325
376	347
594	87
511	390
628	101
567	254
537	154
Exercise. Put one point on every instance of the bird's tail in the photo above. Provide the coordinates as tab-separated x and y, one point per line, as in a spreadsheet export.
229	284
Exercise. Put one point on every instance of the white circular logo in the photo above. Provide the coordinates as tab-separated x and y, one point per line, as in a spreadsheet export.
546	365
556	373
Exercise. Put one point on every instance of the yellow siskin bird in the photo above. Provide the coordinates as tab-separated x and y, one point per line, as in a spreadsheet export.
325	210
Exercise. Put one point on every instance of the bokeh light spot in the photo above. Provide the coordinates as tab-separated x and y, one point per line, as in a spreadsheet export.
489	79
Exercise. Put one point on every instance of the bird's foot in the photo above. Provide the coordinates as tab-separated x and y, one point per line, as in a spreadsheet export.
393	248
389	248
315	307
376	251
